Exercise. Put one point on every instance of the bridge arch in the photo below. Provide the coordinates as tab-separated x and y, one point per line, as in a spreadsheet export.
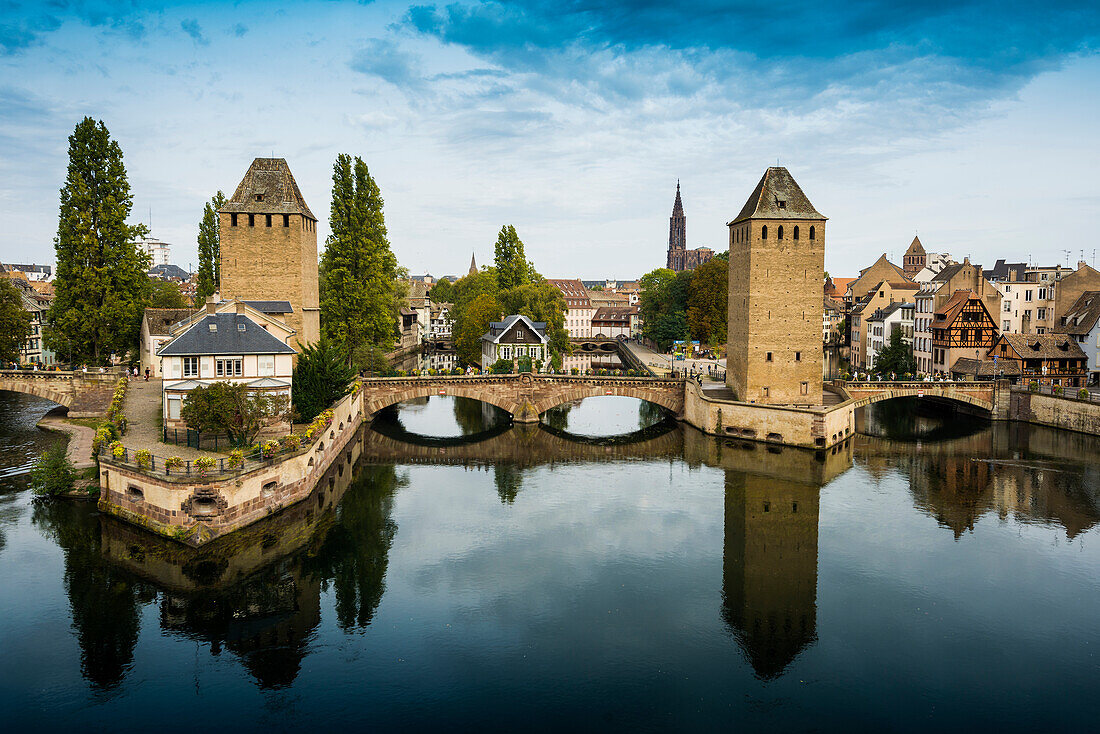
671	400
378	401
974	396
38	388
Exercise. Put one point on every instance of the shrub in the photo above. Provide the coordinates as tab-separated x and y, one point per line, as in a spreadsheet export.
1082	394
270	448
204	464
117	449
144	458
236	458
402	373
292	442
173	462
1057	390
574	371
53	474
1033	386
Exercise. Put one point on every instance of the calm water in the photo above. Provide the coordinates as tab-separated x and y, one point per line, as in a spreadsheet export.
933	574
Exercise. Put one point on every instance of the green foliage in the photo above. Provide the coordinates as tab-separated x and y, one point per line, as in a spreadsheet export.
501	367
166	294
370	359
228	407
15	323
1082	394
442	292
101	286
540	301
896	357
209	276
664	305
53	474
708	293
358	269
523	364
321	377
476	317
511	264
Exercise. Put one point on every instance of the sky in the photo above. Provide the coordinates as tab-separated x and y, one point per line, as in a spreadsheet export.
970	122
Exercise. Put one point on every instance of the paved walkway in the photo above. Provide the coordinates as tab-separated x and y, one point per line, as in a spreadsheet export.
143	413
80	440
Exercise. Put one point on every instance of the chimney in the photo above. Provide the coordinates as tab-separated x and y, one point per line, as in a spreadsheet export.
211	305
239	306
1081	264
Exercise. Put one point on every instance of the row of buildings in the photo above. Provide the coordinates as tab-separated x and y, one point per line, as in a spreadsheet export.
1015	320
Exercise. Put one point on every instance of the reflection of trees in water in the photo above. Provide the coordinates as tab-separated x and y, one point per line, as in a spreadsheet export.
354	554
509	480
558	417
104	600
474	416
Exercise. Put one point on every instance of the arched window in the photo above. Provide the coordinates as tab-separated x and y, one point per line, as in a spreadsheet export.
779	236
811	231
764	232
796	233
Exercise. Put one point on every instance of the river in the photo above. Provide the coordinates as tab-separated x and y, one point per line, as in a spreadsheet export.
934	573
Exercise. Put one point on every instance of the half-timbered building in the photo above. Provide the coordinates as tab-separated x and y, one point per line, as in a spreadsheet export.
962	327
1048	359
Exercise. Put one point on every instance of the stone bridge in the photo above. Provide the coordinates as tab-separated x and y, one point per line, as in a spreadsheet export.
85	394
981	395
524	396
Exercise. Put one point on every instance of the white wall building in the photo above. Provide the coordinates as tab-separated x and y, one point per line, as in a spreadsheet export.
160	253
882	325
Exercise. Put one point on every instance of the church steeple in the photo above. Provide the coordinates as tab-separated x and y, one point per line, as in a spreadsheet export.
473	264
677	233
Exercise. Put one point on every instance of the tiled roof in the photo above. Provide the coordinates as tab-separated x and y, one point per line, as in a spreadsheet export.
948	272
1042	346
226	338
915	247
614	313
954	304
778	196
498	328
268	187
1081	317
270	307
1007	271
161	320
986	367
569	287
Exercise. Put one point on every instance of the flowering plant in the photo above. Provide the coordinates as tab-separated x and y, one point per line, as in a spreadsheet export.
270	448
204	464
144	458
236	458
117	449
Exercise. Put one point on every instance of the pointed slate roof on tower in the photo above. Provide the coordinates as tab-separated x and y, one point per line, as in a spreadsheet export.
678	207
473	265
778	196
268	188
915	247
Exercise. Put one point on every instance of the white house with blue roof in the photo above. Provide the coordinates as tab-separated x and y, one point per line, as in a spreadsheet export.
224	346
514	338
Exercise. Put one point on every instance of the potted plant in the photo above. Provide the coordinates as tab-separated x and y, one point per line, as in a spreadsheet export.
236	458
204	464
172	462
144	458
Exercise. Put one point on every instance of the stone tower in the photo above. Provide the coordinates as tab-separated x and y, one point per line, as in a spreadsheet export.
677	235
269	245
915	258
777	272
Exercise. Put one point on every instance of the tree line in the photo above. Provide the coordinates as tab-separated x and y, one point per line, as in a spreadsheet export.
689	304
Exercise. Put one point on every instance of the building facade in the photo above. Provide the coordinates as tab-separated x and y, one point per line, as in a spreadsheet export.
1036	303
269	245
777	272
962	328
160	253
933	294
897	317
578	307
915	258
1047	359
1081	321
515	338
679	257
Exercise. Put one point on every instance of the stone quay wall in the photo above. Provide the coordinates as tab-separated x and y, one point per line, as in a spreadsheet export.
1067	413
85	394
195	510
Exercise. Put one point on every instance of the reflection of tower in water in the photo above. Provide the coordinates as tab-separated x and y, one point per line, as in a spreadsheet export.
769	568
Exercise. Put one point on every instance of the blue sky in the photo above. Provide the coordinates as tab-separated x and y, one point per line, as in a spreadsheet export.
972	122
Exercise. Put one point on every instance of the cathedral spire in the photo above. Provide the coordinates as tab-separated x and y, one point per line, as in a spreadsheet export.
473	264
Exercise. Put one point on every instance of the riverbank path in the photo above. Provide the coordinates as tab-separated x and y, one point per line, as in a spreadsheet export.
143	416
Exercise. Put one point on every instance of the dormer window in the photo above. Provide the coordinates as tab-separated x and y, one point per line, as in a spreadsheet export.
240	327
259	197
212	327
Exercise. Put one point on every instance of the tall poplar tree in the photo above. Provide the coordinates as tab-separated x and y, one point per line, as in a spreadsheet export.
511	263
102	282
358	268
210	252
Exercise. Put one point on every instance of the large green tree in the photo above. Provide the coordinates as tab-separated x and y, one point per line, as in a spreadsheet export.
101	286
166	294
475	322
15	322
511	264
664	305
229	407
359	270
708	295
896	357
208	278
321	377
442	291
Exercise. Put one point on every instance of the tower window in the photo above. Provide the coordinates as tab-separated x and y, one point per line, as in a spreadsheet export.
796	233
232	220
768	357
780	235
268	218
811	231
764	232
286	220
798	356
251	220
259	197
